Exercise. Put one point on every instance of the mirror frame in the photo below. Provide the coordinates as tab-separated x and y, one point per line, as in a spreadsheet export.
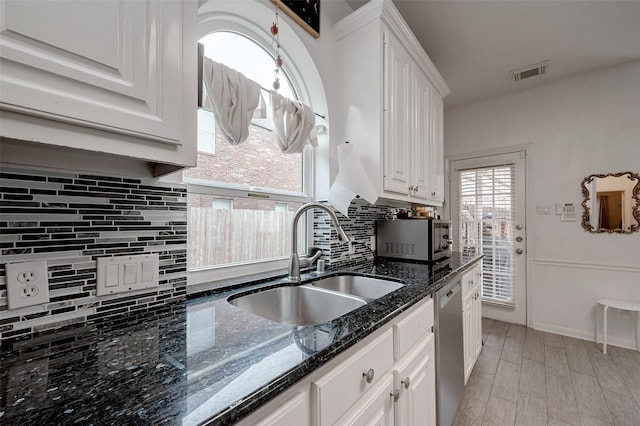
635	195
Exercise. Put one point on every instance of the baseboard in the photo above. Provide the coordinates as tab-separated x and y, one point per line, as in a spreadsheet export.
629	343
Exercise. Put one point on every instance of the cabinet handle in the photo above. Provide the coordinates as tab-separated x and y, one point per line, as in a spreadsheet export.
406	382
433	194
395	395
416	188
368	375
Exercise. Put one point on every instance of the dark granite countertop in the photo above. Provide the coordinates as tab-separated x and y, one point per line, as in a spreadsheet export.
206	361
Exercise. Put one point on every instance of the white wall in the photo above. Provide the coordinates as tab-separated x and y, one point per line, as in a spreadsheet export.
576	127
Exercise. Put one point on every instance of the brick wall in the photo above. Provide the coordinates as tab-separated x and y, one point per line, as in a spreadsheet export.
258	162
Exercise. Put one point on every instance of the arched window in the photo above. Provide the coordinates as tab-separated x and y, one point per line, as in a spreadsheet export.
242	197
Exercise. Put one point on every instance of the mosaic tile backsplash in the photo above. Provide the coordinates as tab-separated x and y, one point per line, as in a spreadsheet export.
70	220
360	226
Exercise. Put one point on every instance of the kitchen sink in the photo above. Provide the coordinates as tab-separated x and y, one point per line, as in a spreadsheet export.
367	287
298	305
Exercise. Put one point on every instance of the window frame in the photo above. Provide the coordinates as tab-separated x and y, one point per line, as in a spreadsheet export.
223	189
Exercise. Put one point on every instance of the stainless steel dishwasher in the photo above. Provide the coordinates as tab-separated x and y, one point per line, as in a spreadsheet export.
449	351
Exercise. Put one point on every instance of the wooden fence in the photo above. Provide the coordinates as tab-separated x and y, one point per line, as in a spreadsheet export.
224	236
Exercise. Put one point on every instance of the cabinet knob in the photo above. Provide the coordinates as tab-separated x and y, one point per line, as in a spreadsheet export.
395	395
406	382
368	375
433	194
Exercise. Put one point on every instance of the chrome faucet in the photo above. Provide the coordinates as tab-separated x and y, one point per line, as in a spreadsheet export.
294	262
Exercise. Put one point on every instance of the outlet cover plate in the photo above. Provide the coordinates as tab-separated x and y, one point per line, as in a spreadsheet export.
27	284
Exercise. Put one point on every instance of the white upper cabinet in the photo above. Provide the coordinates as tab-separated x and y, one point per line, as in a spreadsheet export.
116	77
391	100
398	119
435	187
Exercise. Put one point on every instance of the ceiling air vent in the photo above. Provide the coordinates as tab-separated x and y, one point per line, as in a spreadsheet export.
530	71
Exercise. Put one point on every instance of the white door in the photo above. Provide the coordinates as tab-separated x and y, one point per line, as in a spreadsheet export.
488	212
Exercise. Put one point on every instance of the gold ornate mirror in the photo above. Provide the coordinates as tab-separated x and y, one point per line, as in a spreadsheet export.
611	203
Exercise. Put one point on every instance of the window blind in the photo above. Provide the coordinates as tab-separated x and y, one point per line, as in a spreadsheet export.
486	225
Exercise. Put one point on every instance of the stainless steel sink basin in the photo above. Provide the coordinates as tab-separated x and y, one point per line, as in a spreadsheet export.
367	287
298	305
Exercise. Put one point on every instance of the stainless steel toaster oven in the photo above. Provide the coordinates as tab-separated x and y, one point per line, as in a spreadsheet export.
427	240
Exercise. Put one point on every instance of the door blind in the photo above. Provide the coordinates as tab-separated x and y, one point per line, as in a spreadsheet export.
486	218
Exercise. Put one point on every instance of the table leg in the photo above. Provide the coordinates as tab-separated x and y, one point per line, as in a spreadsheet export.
597	323
638	330
604	340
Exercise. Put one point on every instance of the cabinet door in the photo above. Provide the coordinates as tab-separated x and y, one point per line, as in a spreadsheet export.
415	380
397	116
476	315
421	128
373	409
436	141
468	332
107	65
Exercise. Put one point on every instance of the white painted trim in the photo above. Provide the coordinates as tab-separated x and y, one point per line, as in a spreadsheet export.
629	343
529	207
586	265
207	275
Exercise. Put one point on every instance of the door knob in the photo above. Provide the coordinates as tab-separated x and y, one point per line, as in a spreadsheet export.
406	382
395	395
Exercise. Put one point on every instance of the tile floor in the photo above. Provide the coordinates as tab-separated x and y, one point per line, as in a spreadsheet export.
529	377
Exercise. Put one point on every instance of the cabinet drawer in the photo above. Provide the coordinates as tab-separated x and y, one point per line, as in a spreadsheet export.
468	281
338	390
412	328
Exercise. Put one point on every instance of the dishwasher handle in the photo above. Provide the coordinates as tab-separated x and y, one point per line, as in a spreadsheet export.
448	292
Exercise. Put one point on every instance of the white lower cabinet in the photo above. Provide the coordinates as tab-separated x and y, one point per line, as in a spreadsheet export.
472	317
387	379
291	413
352	380
414	379
375	408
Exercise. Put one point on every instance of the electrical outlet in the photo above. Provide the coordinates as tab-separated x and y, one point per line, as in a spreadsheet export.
27	284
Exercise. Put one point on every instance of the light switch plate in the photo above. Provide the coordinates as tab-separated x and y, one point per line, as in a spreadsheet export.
119	274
